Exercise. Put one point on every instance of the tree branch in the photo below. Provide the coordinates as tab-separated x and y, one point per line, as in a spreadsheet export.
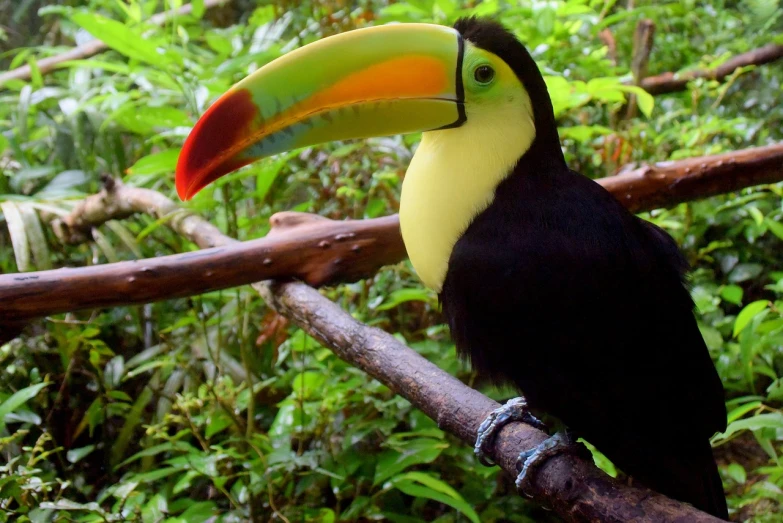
642	48
570	484
671	82
665	184
304	247
93	47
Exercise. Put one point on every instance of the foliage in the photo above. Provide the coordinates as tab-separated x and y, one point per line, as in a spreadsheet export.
187	409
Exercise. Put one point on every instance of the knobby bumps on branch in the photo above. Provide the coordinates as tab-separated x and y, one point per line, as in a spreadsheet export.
320	251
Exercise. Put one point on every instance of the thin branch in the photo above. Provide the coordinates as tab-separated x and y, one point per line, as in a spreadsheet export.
93	47
301	246
672	82
642	48
607	38
665	184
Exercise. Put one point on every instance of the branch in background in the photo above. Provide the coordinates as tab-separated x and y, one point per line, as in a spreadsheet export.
672	82
570	484
607	38
660	84
305	247
93	47
665	184
642	47
302	246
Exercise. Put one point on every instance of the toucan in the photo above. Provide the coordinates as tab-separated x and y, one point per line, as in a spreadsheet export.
546	281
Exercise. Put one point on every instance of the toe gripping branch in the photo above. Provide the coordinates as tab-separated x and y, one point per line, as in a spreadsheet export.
563	441
517	410
514	410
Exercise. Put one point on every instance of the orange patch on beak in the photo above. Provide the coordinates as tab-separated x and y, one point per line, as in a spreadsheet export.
407	77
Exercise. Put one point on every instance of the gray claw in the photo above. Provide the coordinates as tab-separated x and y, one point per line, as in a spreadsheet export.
563	441
514	410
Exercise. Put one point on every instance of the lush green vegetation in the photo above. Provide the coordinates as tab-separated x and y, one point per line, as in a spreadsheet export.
207	406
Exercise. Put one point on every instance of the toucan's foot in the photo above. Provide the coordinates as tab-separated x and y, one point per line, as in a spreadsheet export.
563	441
514	410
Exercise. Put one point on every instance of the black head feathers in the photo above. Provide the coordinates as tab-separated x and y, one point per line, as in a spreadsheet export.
492	36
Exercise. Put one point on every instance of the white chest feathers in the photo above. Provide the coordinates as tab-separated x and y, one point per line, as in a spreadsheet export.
452	178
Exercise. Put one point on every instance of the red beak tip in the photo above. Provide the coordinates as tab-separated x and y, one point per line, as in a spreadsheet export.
183	186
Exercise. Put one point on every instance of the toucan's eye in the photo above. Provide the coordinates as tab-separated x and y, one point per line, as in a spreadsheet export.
484	74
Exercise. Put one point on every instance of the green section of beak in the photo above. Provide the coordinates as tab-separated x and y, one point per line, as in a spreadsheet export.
369	82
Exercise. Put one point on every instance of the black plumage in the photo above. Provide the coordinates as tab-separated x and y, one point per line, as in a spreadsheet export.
557	289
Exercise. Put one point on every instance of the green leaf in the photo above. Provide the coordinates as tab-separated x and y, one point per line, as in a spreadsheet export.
218	422
66	504
737	472
600	460
200	512
420	485
121	38
644	100
36	240
732	294
743	409
760	421
775	226
747	314
197	8
145	120
173	446
155	510
309	384
17	399
403	295
74	455
132	422
18	233
65	183
407	454
163	162
745	271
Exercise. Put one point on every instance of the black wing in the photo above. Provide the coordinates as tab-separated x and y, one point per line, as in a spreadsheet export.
561	291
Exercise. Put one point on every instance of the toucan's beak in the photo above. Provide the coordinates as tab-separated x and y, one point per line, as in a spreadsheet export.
377	81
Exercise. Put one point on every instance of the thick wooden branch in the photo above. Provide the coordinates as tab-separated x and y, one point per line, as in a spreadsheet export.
301	246
304	247
665	184
671	82
571	485
93	47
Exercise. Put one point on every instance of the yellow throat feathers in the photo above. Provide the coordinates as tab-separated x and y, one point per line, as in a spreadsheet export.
454	173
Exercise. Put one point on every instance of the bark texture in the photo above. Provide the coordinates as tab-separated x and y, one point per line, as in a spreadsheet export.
671	82
301	246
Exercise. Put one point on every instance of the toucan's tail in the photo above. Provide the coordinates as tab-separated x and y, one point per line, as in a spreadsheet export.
713	498
688	473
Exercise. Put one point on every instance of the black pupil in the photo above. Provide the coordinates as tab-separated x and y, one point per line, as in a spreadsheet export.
484	74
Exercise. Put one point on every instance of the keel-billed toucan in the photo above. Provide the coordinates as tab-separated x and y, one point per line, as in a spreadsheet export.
547	281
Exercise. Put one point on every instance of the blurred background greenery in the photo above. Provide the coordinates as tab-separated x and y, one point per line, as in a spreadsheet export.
213	406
